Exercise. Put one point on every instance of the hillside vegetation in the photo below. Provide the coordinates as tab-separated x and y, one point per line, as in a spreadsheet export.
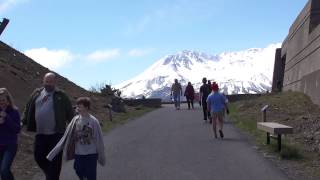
301	150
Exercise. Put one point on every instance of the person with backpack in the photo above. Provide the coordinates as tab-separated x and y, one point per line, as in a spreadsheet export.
205	90
176	92
189	94
217	104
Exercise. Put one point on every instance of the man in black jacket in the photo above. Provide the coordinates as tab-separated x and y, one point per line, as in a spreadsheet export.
205	90
47	113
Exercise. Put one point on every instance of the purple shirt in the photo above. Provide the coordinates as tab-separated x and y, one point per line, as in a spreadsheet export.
10	128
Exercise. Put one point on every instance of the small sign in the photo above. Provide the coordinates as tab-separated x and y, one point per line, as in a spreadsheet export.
264	108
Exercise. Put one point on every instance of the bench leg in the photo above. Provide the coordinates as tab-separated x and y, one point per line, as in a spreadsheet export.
268	138
279	142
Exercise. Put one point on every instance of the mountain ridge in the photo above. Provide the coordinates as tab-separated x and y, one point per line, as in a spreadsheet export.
240	72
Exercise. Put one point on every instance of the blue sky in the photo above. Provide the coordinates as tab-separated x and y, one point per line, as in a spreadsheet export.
97	41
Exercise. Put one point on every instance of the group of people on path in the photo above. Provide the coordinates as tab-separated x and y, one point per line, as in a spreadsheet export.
176	93
60	132
214	104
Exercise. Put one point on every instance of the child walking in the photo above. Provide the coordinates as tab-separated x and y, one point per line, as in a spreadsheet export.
83	142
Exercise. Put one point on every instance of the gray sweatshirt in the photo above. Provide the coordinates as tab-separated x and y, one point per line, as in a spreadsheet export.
69	140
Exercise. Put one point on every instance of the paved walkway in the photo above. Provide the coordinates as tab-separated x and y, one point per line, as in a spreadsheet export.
177	145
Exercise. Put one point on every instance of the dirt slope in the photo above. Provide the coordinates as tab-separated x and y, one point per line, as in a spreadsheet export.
21	75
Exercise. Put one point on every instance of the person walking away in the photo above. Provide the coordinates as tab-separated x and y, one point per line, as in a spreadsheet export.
209	83
176	92
204	93
82	141
189	94
217	105
9	130
209	114
47	113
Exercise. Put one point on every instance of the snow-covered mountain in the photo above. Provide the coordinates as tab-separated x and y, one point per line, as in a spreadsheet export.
241	72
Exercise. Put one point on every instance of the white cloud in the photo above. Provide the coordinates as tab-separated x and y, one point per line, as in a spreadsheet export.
139	52
103	55
6	4
52	59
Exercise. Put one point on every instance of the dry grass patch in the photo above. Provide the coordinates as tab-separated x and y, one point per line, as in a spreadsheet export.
290	108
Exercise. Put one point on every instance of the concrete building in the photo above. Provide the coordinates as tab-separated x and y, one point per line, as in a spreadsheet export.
297	62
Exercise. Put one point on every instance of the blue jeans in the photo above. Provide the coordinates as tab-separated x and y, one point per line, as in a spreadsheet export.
7	154
86	166
176	98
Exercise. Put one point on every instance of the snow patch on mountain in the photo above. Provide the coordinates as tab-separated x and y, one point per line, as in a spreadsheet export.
241	72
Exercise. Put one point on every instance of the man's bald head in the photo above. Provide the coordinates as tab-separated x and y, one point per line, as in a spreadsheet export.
49	81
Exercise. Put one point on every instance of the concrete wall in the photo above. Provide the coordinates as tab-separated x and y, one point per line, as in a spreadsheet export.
301	52
278	71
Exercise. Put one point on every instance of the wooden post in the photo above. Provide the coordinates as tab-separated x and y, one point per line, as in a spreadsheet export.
108	106
264	116
264	113
279	142
110	115
264	119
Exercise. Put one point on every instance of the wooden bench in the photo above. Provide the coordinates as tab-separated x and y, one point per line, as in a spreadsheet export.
275	129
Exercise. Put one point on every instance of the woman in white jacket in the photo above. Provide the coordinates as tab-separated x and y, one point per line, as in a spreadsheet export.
82	141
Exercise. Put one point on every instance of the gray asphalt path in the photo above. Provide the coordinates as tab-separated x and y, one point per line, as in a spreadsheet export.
167	144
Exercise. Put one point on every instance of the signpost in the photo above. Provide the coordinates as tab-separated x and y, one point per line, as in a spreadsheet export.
264	119
264	113
3	25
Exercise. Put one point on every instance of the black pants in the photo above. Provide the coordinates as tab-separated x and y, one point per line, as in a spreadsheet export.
42	146
206	114
190	101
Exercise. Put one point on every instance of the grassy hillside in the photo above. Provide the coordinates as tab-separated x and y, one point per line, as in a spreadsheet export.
301	149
